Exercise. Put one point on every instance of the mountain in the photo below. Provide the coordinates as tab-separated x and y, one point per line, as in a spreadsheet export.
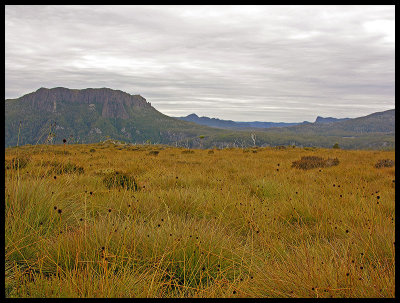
96	114
329	120
90	115
229	124
380	122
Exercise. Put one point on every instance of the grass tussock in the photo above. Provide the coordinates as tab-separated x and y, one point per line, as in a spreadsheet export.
60	168
384	163
153	152
310	162
235	224
120	180
17	163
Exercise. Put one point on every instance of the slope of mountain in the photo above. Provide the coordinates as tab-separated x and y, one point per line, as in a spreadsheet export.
329	120
90	115
229	124
380	122
96	114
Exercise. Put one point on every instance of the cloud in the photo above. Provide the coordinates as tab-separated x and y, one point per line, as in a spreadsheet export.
243	63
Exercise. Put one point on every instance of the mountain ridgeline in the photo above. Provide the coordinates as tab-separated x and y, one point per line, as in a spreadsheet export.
97	114
229	124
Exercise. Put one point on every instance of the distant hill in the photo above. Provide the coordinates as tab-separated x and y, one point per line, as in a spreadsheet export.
329	120
229	124
97	114
381	122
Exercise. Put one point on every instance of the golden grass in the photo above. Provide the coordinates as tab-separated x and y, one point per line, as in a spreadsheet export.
225	223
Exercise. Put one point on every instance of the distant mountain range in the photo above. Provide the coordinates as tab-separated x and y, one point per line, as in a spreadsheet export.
229	124
97	114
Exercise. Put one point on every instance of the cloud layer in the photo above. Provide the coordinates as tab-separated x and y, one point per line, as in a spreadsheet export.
243	63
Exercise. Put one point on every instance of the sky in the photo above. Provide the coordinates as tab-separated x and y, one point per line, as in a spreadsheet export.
241	63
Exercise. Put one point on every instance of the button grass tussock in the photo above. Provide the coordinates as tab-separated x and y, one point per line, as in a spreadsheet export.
108	220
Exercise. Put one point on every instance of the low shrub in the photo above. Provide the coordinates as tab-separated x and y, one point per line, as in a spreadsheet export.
384	163
210	152
310	162
118	179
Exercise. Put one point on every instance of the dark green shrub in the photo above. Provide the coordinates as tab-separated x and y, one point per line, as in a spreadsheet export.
92	150
336	146
118	179
188	152
210	151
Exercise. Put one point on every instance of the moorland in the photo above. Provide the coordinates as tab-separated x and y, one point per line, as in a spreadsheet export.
121	220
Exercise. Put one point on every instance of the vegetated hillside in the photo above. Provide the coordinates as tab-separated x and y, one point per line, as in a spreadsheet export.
105	220
329	119
94	115
229	124
376	130
91	115
380	122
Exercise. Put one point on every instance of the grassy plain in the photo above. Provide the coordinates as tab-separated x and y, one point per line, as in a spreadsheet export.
220	223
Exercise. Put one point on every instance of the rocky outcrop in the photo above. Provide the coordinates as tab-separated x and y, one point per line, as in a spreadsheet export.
115	103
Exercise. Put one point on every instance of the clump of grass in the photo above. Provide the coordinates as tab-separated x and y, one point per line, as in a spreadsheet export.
68	168
384	163
153	153
188	152
118	179
310	162
61	152
17	163
210	152
92	150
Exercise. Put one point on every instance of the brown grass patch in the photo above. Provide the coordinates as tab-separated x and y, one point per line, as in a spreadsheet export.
310	162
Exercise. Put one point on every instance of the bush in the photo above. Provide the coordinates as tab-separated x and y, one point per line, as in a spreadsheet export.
210	151
92	150
118	179
384	163
310	162
336	146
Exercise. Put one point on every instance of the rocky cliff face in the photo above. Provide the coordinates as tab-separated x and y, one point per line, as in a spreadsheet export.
115	103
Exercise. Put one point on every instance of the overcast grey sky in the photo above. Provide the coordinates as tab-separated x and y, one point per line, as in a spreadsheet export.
242	63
